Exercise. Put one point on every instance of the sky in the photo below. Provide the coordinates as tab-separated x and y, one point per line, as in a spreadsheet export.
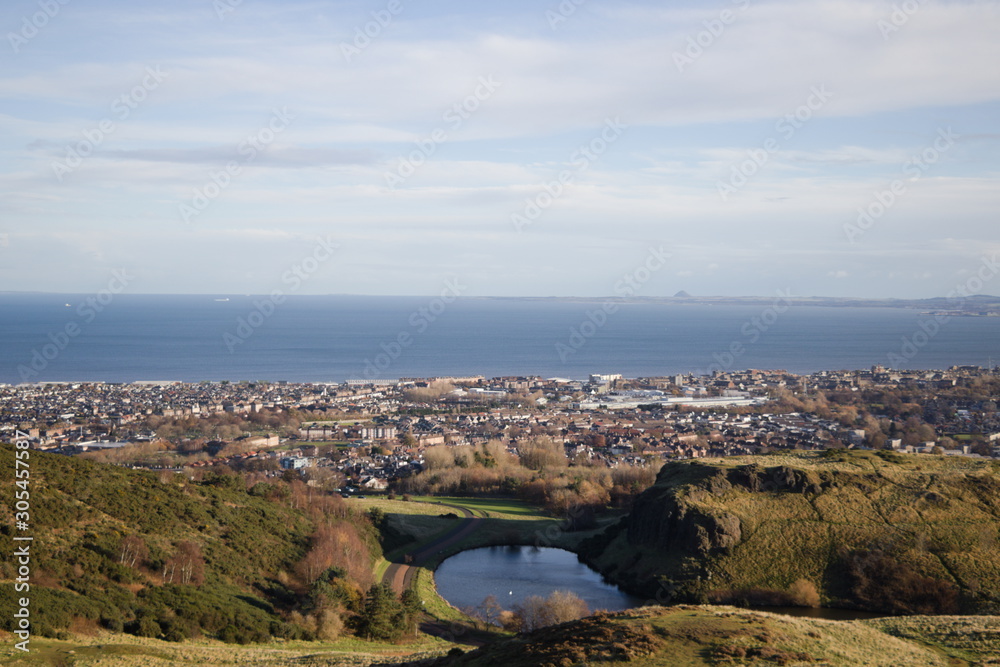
395	147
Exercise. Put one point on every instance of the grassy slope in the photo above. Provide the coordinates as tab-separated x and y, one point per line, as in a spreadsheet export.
688	636
694	636
938	516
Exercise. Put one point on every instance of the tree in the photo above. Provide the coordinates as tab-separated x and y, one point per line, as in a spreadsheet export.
542	452
329	624
133	551
532	613
565	606
336	545
561	606
413	606
948	443
803	593
489	610
187	567
382	616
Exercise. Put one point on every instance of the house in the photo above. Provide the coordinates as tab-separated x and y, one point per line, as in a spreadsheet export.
375	484
293	462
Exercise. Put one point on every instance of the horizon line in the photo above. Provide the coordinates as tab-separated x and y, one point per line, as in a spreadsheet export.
617	297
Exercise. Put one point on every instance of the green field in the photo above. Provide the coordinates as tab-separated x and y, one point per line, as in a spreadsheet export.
493	508
487	508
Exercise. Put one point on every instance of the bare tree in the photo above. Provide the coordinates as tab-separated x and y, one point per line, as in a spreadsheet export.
542	452
133	551
565	606
538	612
532	613
187	567
489	610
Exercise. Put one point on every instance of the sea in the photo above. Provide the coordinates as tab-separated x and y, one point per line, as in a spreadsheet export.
127	338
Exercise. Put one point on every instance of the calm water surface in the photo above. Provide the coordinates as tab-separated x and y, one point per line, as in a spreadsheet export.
335	338
515	573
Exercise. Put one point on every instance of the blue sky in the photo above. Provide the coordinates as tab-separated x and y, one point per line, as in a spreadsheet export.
742	138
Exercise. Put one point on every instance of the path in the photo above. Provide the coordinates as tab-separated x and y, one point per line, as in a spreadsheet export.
400	575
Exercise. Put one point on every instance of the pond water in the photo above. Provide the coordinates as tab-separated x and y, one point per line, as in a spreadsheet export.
515	573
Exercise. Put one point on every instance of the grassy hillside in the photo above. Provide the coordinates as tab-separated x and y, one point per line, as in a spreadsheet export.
695	636
213	558
876	531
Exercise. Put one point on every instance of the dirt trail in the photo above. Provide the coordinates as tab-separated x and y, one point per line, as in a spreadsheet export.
400	575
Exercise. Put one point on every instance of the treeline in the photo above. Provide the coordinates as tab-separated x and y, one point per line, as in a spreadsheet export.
539	473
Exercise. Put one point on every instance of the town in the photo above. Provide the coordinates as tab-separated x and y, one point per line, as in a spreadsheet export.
366	435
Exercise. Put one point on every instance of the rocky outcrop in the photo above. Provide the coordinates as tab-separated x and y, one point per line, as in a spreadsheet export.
675	513
757	478
674	522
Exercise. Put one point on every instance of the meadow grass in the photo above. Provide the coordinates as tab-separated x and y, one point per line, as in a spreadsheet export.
120	650
492	508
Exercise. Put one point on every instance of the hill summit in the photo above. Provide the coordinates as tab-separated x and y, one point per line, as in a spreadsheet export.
875	531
